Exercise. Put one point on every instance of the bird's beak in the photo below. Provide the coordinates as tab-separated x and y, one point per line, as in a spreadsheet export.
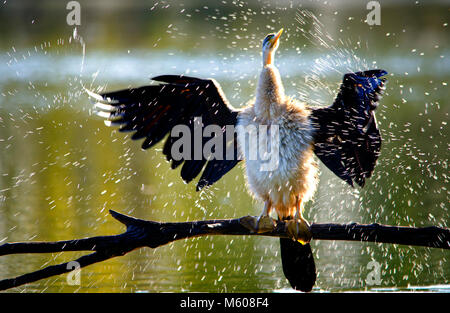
277	36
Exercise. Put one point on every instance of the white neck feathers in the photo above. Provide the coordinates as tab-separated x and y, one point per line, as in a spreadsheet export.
270	97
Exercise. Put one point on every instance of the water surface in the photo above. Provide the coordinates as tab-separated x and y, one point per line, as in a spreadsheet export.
61	169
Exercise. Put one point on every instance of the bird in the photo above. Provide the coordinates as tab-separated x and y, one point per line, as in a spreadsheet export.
343	136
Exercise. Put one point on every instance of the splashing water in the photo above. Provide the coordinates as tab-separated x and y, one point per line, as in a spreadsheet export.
61	170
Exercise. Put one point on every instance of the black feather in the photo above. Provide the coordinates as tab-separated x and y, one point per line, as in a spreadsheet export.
151	112
347	139
298	264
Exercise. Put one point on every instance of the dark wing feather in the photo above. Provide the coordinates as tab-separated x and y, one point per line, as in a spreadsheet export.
347	139
152	111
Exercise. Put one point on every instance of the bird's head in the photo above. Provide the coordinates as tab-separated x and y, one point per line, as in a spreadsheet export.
269	46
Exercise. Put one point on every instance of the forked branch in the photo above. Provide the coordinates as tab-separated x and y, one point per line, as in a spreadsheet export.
141	233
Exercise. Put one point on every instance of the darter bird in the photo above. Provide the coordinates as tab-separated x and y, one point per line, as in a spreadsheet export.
344	136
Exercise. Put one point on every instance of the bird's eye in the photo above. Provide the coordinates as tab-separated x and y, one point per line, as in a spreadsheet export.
268	37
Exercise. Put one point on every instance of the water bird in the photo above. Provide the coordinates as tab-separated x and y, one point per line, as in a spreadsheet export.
344	136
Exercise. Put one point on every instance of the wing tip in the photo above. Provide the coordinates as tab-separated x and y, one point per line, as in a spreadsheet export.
99	98
357	76
175	79
201	184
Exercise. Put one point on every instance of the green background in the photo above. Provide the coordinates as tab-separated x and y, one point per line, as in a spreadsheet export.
61	169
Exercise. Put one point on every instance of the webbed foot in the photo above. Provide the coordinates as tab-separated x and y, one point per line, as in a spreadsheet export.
261	224
298	230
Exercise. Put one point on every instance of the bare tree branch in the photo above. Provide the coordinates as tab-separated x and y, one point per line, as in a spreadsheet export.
141	233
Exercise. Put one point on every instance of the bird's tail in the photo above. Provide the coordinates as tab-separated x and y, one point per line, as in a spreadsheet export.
298	264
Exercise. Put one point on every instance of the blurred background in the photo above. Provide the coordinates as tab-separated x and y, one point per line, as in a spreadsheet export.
61	169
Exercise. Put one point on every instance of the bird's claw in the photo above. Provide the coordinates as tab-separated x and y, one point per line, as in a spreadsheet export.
298	230
265	224
261	224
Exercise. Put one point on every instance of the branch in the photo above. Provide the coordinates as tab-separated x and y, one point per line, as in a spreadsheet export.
141	233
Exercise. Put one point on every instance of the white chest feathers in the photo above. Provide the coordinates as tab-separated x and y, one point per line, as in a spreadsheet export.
278	155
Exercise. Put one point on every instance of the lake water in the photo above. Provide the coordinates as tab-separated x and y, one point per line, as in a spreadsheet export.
61	169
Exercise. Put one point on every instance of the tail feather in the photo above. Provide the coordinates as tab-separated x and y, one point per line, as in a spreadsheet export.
298	264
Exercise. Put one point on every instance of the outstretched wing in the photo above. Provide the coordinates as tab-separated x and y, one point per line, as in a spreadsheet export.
152	112
347	139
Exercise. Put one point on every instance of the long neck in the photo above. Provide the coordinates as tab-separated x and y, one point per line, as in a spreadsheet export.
268	55
270	98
